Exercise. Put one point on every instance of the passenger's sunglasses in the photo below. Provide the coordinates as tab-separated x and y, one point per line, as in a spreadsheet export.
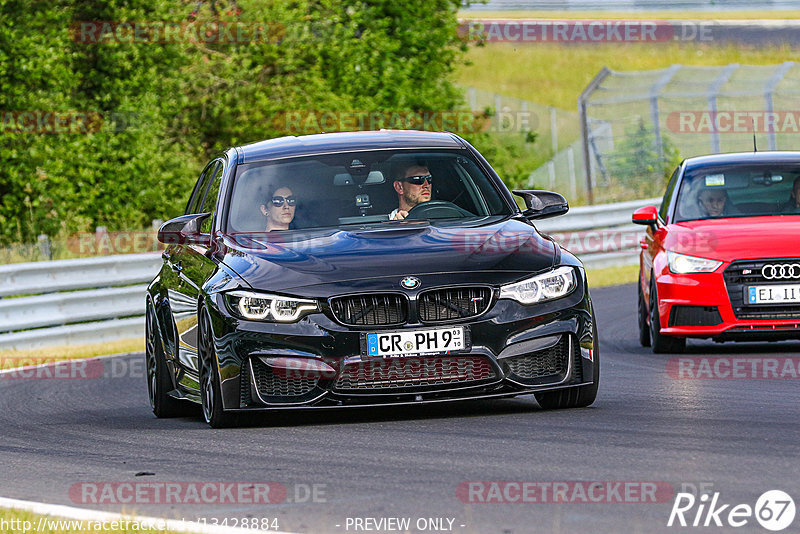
278	201
419	180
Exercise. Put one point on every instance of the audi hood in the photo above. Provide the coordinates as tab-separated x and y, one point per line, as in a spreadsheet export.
736	238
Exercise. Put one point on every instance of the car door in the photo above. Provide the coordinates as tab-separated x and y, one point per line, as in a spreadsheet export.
191	267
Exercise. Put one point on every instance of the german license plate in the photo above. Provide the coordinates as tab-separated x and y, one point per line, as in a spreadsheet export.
771	294
415	342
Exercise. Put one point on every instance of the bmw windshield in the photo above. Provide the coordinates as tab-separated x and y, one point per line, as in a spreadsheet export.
364	187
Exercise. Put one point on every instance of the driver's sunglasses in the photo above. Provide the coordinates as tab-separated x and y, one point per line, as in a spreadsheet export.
419	180
278	201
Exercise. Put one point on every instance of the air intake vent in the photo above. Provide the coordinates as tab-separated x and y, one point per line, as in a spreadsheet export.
380	309
453	303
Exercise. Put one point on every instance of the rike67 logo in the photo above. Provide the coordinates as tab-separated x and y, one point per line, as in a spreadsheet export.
774	510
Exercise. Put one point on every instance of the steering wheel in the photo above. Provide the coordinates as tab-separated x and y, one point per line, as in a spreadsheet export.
437	209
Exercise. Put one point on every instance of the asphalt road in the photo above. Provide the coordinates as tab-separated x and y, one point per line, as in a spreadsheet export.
67	441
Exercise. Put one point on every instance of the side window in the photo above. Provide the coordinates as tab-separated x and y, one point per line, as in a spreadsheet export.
662	212
210	200
200	189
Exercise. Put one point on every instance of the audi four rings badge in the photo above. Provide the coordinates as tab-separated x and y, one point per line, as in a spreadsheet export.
781	271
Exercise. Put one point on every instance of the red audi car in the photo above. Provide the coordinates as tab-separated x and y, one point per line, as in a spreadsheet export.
721	258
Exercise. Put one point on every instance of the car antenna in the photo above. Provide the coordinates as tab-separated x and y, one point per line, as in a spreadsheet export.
753	122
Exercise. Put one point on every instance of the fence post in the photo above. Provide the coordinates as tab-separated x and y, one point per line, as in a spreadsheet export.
655	93
554	129
769	88
524	118
551	170
156	224
573	183
713	92
585	133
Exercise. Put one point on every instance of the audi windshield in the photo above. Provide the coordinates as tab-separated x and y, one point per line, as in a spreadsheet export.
739	191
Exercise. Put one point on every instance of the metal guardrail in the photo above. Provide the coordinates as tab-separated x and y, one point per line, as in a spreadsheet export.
84	273
74	302
93	300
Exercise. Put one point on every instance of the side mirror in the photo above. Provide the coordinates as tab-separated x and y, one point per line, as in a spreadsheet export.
647	216
184	230
543	204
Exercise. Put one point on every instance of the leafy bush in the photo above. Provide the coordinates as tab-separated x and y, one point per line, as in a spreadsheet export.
637	168
160	109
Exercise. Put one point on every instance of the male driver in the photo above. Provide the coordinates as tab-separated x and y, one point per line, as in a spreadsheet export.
413	186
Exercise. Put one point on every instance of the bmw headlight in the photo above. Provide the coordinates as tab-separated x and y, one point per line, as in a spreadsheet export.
546	286
266	307
683	264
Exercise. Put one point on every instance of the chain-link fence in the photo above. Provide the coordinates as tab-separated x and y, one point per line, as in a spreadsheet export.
543	133
637	126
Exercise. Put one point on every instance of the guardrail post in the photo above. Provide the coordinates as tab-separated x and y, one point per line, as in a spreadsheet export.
44	247
156	224
573	182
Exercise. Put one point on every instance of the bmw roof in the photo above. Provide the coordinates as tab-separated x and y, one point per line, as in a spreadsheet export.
289	146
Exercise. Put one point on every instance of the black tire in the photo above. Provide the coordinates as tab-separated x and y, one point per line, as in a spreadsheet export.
644	327
159	382
574	397
661	344
210	391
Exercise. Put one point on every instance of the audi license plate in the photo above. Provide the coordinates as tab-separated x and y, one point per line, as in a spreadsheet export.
773	294
415	342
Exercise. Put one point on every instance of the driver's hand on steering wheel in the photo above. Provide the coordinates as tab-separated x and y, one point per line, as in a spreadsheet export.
400	215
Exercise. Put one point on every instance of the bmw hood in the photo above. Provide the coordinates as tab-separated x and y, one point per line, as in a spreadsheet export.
361	257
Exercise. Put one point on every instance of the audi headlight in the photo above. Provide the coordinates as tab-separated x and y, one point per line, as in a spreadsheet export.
683	264
265	307
547	286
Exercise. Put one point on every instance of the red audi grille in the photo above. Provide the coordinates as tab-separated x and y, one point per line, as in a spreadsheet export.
401	373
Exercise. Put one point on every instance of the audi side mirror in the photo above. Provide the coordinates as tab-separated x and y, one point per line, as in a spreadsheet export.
646	216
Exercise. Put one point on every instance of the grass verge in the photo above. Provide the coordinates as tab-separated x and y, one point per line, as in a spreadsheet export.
554	74
612	276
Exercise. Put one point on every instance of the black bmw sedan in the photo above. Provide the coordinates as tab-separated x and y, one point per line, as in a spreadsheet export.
363	268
